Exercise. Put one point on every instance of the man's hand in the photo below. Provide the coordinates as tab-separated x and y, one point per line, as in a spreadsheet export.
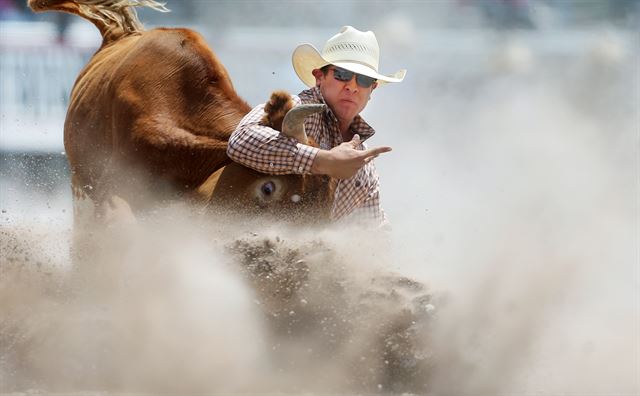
343	161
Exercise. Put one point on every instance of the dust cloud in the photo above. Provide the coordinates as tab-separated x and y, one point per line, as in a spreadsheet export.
511	268
181	305
520	164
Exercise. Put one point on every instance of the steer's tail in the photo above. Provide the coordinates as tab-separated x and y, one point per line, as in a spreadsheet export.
114	18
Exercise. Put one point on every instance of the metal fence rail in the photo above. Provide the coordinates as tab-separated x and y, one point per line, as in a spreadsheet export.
36	82
36	77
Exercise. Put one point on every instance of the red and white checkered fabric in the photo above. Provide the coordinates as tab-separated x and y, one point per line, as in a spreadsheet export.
266	150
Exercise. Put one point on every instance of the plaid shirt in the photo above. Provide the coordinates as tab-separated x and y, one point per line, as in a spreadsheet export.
266	150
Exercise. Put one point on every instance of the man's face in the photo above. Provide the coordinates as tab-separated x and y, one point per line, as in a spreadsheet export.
345	98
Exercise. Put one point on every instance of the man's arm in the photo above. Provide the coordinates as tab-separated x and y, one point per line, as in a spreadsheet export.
266	150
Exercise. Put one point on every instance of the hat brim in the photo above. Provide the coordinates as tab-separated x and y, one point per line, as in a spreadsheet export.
306	58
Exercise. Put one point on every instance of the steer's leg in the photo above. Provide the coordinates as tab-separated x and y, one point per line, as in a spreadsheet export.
116	212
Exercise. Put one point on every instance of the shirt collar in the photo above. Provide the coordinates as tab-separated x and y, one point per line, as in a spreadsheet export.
358	126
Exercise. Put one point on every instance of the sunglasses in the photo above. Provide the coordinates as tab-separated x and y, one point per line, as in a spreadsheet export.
344	75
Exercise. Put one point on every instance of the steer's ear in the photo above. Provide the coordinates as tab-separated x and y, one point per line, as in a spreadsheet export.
276	109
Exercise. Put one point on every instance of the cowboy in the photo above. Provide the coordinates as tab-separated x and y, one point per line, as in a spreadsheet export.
343	77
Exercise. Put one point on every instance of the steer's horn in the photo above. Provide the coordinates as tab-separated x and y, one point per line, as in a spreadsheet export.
293	123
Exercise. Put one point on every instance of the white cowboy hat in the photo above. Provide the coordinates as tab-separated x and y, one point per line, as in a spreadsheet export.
350	49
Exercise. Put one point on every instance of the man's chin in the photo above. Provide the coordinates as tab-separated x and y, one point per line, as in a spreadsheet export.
347	110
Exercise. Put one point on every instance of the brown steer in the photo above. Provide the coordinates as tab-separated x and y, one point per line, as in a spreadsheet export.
150	116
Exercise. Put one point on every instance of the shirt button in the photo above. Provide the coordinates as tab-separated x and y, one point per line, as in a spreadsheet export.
300	169
271	164
358	183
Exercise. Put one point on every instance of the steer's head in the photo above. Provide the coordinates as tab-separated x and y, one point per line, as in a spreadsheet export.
285	197
298	198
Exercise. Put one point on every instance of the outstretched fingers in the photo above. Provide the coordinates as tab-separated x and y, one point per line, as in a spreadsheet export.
374	152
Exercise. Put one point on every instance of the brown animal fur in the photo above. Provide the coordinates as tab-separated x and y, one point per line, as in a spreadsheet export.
316	192
276	108
151	113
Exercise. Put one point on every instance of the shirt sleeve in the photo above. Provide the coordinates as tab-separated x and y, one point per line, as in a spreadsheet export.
266	150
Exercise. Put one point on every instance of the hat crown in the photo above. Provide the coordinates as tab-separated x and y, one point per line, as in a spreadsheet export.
352	45
350	49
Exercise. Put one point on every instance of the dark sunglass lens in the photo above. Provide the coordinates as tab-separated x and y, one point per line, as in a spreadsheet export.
364	81
346	75
342	74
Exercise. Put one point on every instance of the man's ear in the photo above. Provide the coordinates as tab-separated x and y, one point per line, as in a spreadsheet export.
373	86
318	74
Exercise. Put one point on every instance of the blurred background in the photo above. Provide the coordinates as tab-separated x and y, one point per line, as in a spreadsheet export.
451	47
515	177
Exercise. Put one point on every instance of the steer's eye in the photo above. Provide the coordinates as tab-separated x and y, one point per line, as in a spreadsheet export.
268	188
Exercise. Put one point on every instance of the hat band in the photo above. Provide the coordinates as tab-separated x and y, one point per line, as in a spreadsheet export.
365	64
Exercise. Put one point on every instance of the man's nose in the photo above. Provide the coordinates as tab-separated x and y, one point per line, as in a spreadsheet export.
352	85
